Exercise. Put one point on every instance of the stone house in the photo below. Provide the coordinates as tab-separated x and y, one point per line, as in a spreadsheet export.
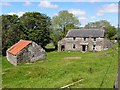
84	40
25	51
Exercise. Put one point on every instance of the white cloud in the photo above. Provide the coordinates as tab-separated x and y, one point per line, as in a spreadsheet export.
5	4
108	8
93	17
19	13
56	14
46	4
80	14
82	18
77	12
27	3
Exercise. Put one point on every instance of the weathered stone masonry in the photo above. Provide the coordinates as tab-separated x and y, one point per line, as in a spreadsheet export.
30	53
83	40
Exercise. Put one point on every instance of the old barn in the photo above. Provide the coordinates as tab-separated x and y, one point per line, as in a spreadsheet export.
25	51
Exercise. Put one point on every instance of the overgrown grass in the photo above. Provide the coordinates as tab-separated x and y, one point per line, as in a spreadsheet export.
56	71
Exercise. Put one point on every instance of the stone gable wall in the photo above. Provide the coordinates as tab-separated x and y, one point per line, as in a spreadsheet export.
31	53
11	58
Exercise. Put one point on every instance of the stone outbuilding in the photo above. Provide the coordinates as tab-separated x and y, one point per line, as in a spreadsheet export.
84	40
25	51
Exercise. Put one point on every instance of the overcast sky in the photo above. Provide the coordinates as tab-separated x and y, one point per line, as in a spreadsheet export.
84	11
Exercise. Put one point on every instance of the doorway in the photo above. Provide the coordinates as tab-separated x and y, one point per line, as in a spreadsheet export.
62	47
83	47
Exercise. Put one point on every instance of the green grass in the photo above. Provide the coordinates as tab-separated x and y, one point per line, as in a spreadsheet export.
55	71
50	45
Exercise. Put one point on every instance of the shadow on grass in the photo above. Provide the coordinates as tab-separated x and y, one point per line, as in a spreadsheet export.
50	49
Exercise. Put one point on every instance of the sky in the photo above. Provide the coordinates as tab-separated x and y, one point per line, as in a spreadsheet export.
84	11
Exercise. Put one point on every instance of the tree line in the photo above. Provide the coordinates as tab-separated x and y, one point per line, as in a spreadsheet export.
42	29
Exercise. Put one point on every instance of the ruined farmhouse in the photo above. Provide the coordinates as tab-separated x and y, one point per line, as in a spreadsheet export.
25	51
84	40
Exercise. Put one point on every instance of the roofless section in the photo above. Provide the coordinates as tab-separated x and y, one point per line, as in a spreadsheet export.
85	33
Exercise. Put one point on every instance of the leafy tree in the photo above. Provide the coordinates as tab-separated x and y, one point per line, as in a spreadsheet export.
0	36
55	36
98	24
31	26
37	27
61	24
7	37
110	31
64	21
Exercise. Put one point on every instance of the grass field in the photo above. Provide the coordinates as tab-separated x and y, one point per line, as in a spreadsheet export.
97	69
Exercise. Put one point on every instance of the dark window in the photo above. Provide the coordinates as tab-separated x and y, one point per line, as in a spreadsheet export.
74	38
84	39
73	45
94	39
93	47
33	56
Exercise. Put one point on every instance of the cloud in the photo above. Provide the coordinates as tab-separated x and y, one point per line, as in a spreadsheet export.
80	14
77	12
55	14
108	8
19	13
27	3
82	18
46	4
93	17
5	3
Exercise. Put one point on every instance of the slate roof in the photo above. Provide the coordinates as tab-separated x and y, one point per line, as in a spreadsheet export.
16	48
85	33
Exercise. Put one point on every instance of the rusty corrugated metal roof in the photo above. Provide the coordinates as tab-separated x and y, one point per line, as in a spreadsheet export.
16	48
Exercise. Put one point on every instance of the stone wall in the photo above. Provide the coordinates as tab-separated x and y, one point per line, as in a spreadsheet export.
30	53
23	55
11	58
36	52
107	44
71	44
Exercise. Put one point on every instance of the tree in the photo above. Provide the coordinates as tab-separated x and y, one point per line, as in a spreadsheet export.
31	26
98	24
64	21
37	27
61	24
7	34
55	36
110	31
